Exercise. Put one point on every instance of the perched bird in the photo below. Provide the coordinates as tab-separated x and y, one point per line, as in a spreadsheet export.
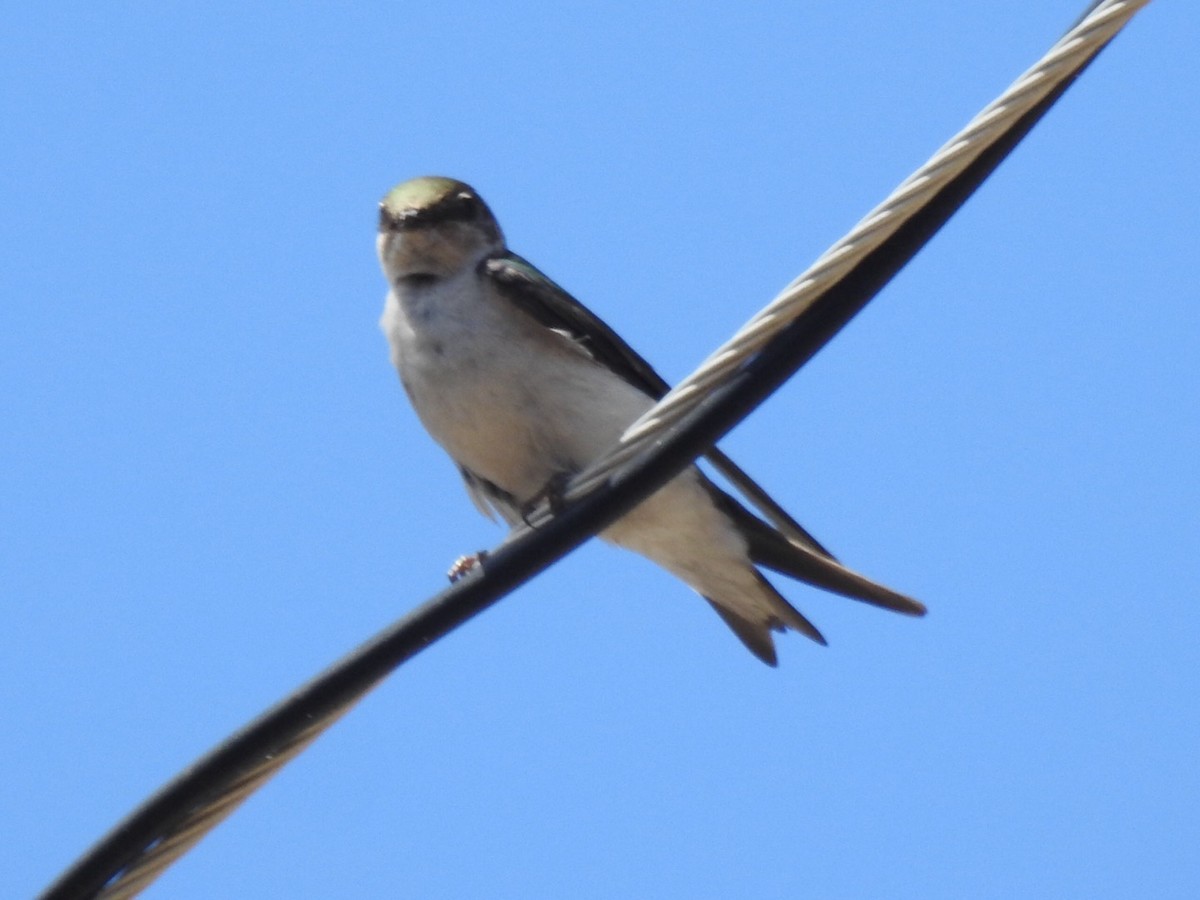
524	387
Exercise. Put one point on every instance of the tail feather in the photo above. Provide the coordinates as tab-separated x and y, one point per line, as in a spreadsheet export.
784	615
773	550
756	635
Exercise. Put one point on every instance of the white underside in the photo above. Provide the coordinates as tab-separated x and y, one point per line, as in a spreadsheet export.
517	404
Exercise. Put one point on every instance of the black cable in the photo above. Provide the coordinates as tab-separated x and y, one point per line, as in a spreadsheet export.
206	782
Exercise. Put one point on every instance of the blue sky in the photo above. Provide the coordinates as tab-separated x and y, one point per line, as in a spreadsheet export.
211	485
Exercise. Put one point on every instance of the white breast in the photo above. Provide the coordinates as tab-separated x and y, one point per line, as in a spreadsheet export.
513	402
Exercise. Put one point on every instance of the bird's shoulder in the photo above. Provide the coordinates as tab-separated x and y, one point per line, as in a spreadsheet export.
540	298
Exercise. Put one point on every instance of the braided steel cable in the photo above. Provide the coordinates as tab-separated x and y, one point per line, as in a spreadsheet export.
159	855
702	409
1065	59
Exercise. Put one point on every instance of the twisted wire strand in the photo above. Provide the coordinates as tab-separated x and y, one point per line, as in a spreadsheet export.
138	850
177	841
1062	60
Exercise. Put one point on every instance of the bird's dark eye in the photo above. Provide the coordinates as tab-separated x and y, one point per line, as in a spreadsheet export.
386	222
463	207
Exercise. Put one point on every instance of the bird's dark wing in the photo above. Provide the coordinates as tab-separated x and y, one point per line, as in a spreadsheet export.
551	306
772	550
538	296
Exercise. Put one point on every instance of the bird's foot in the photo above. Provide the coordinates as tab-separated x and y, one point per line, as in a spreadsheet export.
465	564
552	492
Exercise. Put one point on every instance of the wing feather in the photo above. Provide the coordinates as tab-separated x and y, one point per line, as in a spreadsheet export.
551	306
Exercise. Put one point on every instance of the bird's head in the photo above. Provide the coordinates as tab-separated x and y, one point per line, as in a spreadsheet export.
432	227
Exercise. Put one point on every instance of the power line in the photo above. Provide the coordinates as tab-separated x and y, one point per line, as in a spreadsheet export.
686	423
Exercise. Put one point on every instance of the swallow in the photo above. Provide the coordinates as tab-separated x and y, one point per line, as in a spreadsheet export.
524	387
